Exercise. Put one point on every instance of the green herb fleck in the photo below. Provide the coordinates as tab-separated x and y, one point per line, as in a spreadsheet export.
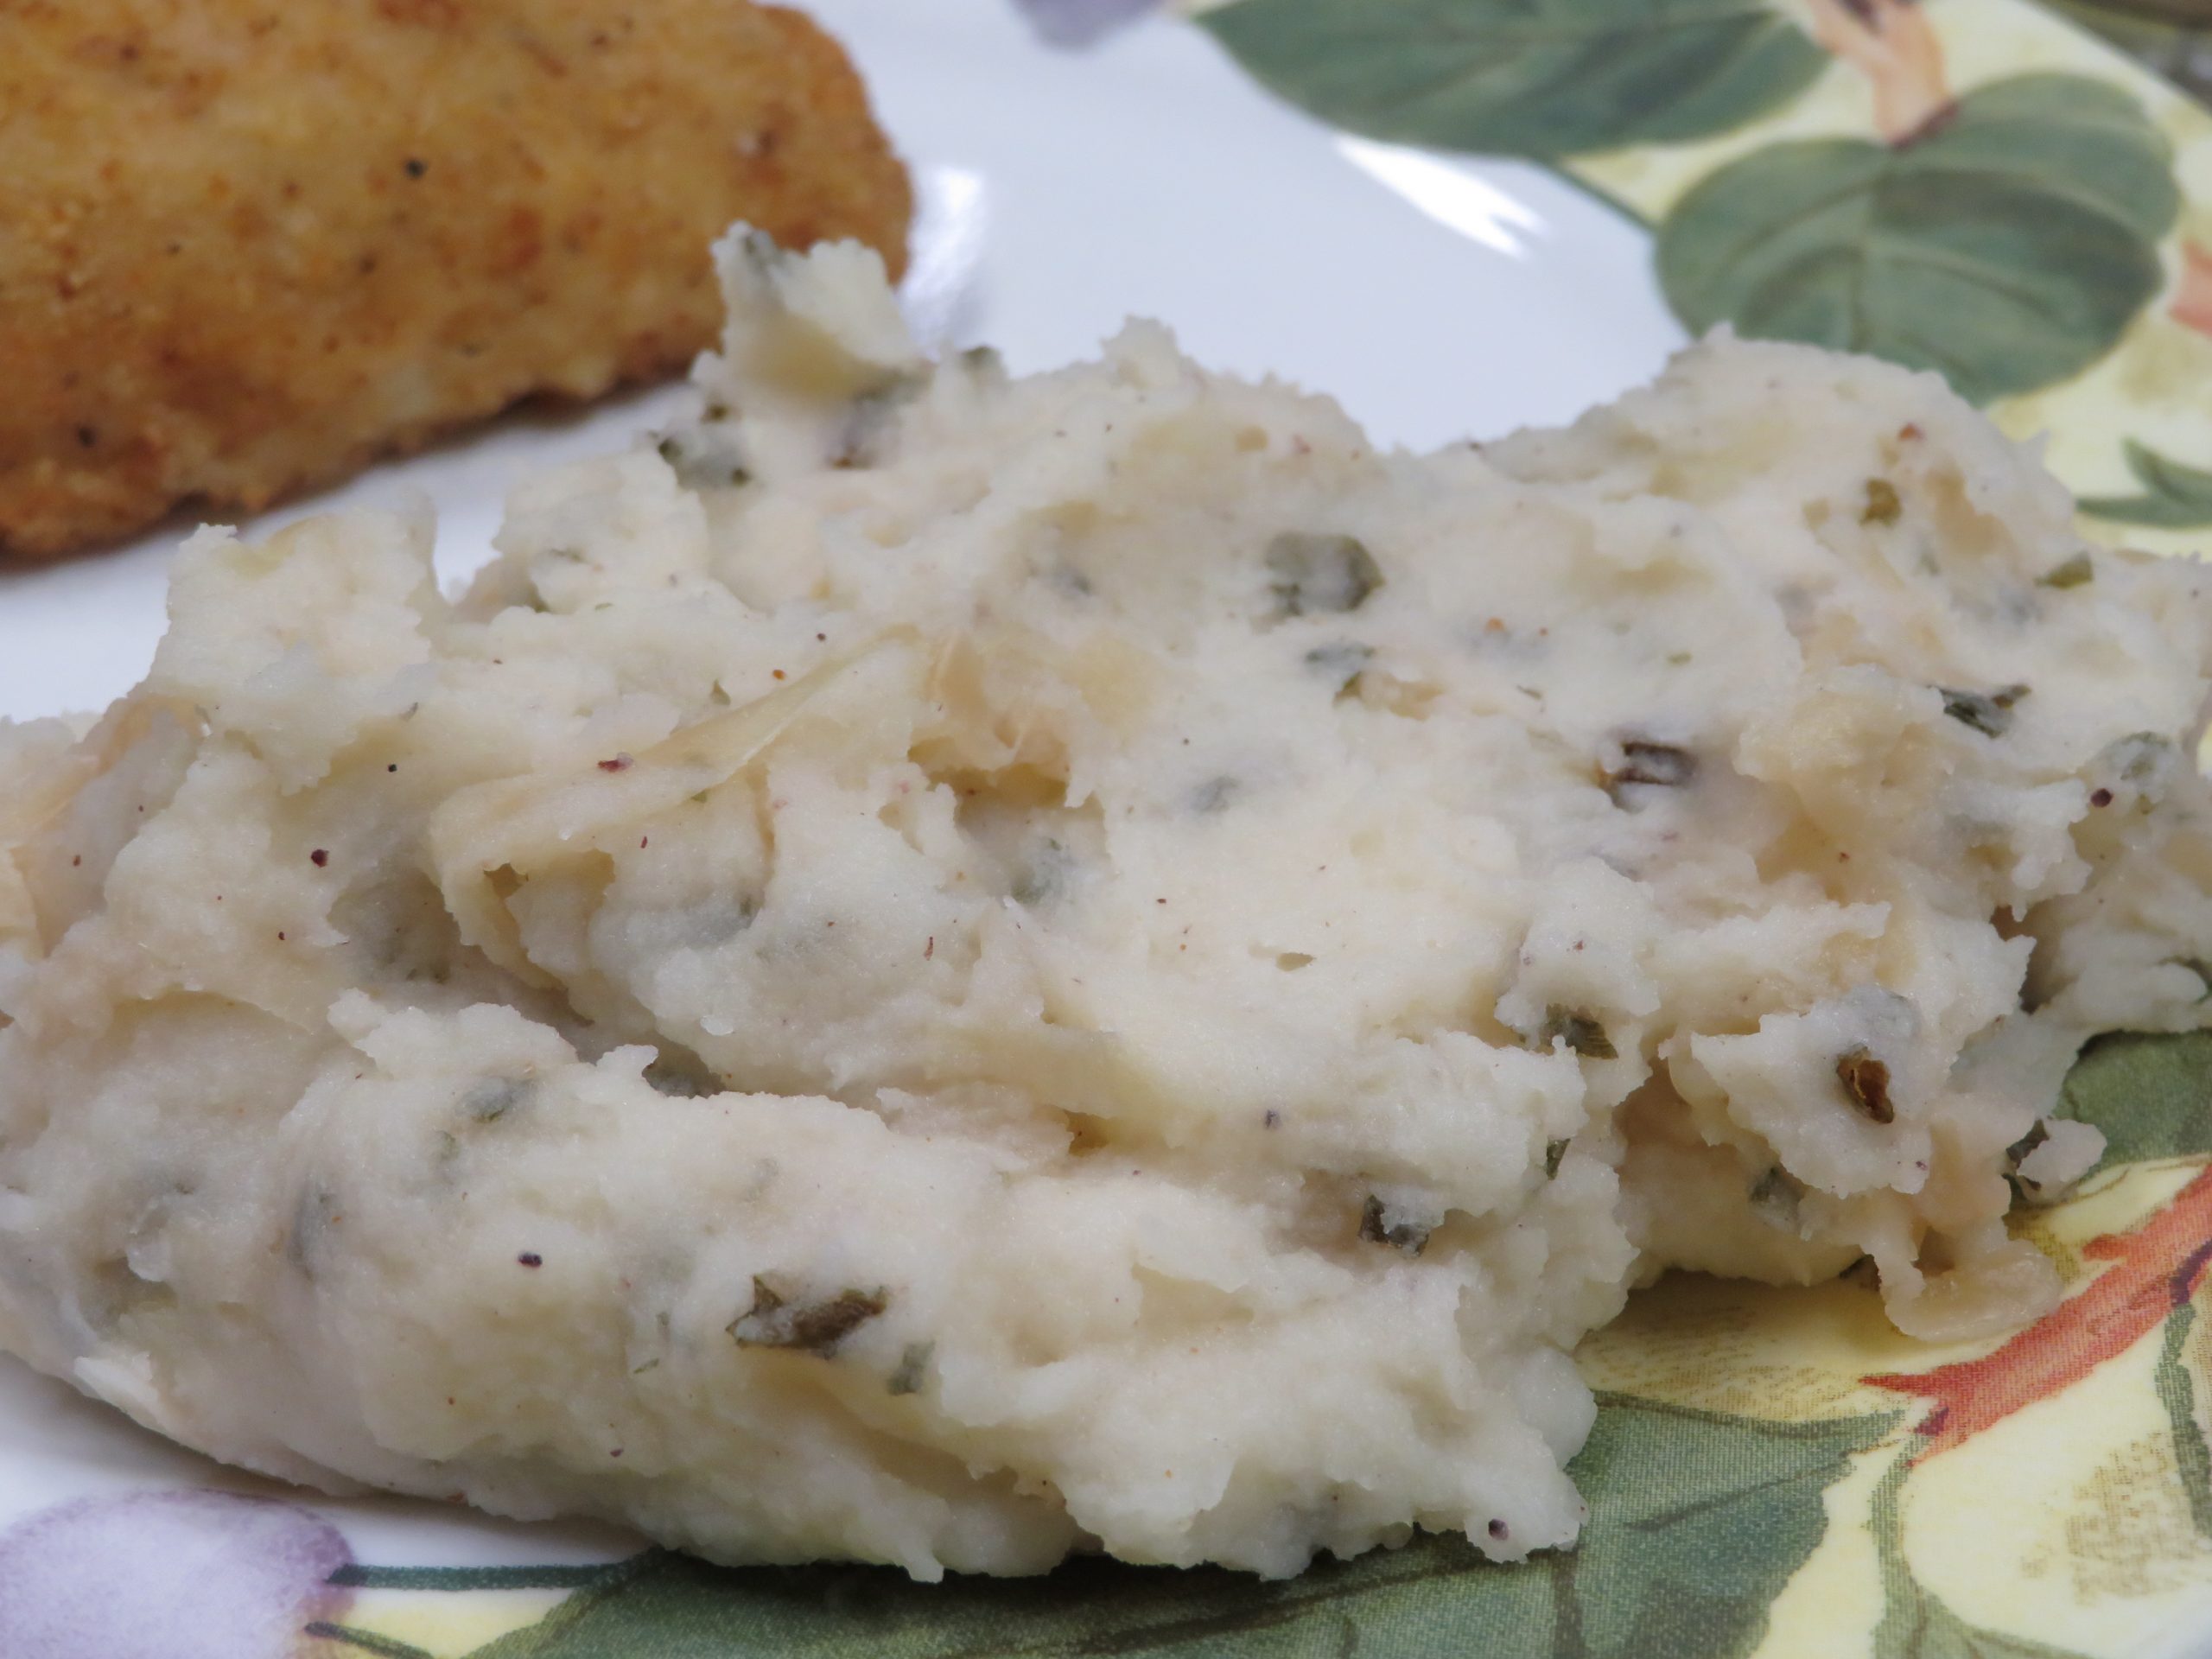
1554	1151
2074	573
1045	875
1215	794
1342	661
870	418
1990	713
1375	1227
494	1097
1776	1197
2138	758
707	467
1579	1031
1643	761
313	1217
1316	573
906	1378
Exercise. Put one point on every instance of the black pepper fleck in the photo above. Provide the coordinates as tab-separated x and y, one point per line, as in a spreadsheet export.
530	1259
416	167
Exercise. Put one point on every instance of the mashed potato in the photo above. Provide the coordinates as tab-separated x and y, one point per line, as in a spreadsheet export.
944	970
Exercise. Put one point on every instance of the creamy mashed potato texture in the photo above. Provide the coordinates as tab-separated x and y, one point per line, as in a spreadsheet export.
945	969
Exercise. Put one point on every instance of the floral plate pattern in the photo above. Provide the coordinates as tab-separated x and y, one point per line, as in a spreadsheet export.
1971	186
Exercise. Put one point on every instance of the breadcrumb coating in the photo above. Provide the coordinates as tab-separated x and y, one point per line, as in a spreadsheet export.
246	248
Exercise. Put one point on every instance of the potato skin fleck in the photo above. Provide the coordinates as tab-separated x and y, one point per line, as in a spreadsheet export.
247	248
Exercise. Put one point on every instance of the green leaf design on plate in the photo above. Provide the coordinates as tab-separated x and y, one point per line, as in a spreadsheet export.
365	1643
2009	247
459	1580
1917	1623
670	1606
2174	497
1697	1520
1537	78
2150	1094
1932	1630
2177	1391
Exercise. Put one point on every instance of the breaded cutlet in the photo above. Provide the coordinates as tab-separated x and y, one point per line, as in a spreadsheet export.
247	247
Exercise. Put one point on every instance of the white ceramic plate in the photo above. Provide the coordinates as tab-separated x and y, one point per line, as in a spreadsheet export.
1439	297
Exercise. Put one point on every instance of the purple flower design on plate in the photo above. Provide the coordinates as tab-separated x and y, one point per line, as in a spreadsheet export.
1079	22
167	1575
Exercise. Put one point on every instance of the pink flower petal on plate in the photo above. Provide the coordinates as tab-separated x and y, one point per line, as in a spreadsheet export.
2155	1270
167	1575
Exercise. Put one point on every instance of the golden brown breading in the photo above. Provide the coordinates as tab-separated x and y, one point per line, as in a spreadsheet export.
247	245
